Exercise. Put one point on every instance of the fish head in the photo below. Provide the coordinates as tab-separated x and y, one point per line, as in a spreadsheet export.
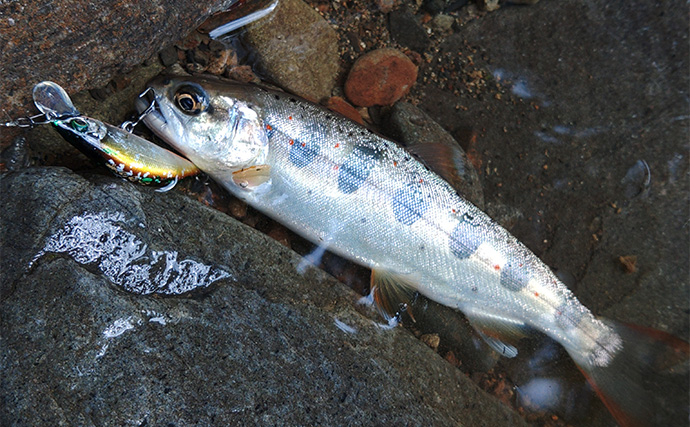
215	124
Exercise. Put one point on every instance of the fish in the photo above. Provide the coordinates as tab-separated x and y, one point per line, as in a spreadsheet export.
124	153
365	198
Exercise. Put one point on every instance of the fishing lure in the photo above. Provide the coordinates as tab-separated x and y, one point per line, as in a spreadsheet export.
126	154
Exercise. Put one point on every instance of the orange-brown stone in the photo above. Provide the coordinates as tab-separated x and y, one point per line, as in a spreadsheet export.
380	77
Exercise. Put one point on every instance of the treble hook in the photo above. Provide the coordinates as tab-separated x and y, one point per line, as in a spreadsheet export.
129	125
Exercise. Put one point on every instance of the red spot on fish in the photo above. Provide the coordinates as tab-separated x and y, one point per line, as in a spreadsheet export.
268	127
336	167
304	144
395	163
536	294
292	141
421	181
497	267
337	145
289	117
453	210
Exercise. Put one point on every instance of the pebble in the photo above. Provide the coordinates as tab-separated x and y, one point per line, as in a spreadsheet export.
386	6
380	77
243	74
192	41
488	5
168	56
442	22
221	60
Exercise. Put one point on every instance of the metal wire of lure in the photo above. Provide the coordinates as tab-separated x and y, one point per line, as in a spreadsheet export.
126	154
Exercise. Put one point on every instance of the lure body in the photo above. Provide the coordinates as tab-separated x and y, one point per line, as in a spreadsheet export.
126	154
365	198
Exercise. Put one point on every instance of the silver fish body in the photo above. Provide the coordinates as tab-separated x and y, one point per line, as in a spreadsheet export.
365	198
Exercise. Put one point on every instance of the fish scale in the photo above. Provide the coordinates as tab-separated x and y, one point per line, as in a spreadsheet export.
367	199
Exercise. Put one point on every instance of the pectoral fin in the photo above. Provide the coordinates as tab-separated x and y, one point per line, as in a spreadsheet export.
392	292
252	177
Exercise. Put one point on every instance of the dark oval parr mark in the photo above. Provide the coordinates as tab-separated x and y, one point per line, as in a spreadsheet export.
409	204
303	153
356	169
466	237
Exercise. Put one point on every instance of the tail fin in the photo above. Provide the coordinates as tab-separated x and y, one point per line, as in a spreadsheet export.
626	383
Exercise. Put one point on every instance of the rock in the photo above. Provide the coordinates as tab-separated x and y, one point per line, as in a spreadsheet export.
406	30
380	77
411	126
191	41
297	49
442	22
434	6
386	6
489	5
82	44
168	56
261	344
242	73
221	60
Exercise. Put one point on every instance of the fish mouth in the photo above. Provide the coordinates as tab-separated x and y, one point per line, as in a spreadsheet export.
148	105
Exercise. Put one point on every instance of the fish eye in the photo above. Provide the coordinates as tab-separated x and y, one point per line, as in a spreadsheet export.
191	99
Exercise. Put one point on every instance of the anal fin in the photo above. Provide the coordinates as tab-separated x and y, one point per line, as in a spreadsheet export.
499	332
393	293
505	350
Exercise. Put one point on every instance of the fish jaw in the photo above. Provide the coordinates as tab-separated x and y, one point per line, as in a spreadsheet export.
186	116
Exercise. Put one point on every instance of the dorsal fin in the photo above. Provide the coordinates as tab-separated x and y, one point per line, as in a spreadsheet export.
438	157
451	164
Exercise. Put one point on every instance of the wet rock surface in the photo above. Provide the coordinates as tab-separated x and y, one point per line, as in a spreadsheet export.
264	345
82	44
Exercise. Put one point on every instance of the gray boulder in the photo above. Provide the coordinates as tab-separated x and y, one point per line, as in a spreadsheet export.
102	325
